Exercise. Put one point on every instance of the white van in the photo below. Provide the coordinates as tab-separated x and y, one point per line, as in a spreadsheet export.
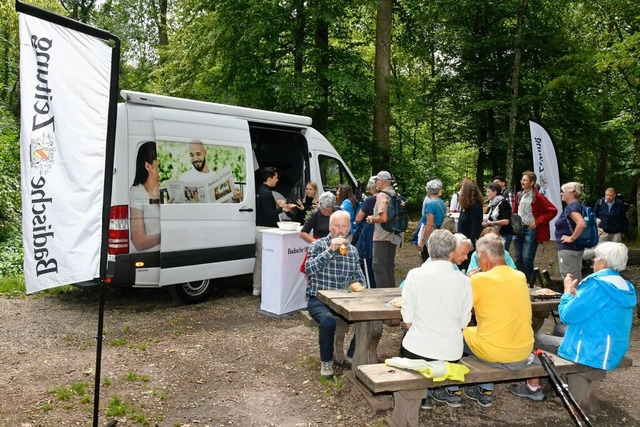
199	220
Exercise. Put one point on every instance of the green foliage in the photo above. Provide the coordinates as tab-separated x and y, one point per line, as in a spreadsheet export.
10	203
11	253
451	82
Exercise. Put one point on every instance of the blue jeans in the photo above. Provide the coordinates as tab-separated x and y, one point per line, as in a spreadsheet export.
526	247
326	329
508	238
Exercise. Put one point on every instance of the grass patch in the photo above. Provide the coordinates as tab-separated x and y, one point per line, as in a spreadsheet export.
310	361
134	376
332	385
13	286
118	407
118	342
79	388
159	394
61	393
106	381
47	406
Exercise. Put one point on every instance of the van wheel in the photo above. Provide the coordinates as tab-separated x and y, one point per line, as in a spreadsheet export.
192	292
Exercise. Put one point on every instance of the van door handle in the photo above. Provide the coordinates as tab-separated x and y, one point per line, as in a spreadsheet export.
246	209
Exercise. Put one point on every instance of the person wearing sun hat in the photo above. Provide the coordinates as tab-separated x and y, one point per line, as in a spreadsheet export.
384	242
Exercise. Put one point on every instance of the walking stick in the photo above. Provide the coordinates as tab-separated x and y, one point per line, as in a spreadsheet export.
563	390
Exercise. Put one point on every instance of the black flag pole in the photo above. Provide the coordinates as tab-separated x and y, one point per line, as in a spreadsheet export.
114	43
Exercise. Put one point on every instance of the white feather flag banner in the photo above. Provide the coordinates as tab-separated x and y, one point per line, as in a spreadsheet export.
65	78
545	166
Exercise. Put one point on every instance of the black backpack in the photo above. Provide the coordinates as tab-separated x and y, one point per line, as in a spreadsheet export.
397	214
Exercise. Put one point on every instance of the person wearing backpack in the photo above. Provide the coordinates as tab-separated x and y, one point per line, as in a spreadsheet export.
613	217
385	242
569	226
364	233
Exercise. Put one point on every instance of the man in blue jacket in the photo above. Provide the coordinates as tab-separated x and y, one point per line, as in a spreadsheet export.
598	312
613	217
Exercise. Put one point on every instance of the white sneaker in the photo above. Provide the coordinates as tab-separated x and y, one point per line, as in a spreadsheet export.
326	369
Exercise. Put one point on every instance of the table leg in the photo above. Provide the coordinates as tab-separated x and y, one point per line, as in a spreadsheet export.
342	328
537	320
367	338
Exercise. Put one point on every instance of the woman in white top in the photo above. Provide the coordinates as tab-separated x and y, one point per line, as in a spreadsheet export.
145	200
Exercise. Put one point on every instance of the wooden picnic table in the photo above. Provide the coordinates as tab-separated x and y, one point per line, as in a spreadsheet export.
370	308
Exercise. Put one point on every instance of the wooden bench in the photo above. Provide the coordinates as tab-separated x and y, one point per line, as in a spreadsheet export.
408	387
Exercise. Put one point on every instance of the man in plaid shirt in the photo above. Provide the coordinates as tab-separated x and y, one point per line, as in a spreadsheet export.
506	193
328	269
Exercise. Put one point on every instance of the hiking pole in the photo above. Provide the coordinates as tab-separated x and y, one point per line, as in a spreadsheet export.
558	388
563	390
565	387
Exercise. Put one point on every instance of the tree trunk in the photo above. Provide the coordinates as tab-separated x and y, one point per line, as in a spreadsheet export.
603	151
381	110
321	114
298	53
515	84
163	32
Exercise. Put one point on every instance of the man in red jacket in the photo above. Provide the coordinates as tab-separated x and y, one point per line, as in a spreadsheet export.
536	212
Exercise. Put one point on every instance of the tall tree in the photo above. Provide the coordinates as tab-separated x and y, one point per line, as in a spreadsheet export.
381	110
515	84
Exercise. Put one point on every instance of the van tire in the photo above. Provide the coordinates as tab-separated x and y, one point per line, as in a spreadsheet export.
192	292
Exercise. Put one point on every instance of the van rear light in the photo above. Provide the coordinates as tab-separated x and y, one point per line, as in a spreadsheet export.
119	230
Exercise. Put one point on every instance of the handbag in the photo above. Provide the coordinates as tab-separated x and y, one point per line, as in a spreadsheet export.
516	223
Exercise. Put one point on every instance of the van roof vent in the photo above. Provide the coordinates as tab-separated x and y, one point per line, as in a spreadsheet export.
210	107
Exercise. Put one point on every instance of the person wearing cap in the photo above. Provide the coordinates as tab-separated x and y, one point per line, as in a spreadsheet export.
569	226
433	213
364	231
505	193
384	242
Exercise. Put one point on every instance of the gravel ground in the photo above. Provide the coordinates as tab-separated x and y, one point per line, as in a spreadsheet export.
222	363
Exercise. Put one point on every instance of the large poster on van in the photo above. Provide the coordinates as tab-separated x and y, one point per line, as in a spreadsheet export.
64	93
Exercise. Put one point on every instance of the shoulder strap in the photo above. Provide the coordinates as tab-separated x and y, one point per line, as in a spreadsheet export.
386	192
566	217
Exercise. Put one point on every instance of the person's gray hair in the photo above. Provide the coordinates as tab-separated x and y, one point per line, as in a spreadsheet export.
326	200
371	184
434	186
338	214
615	255
492	245
573	187
461	239
441	244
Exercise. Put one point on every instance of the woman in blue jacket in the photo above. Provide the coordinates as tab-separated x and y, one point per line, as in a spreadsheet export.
598	312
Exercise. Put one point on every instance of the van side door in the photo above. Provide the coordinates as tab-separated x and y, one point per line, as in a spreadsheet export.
207	211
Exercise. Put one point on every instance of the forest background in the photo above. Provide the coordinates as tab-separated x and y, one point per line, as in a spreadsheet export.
423	89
